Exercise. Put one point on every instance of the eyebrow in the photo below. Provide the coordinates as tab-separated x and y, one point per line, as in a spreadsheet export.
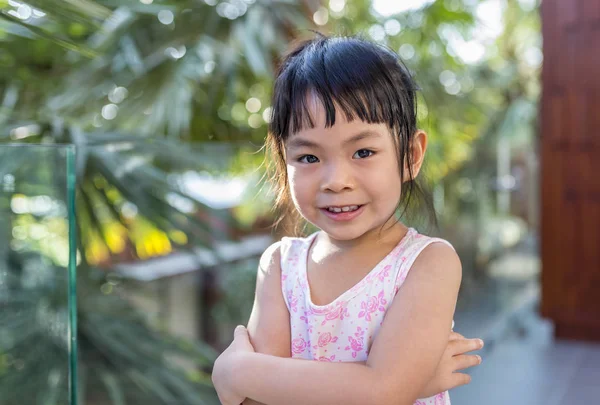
296	142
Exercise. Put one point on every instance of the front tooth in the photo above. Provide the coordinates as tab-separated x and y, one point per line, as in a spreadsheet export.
335	209
346	209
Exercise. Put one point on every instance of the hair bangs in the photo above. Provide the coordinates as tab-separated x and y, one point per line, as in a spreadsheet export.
352	77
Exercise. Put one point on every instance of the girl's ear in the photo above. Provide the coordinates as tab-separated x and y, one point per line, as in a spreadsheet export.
417	151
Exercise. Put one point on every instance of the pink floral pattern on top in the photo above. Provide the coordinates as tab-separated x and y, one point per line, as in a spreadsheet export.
440	399
345	329
325	338
357	343
293	301
384	273
371	305
298	346
338	313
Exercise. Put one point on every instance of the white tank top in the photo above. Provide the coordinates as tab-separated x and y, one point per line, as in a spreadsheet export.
344	330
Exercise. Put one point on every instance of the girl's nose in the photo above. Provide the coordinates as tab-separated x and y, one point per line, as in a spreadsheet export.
337	178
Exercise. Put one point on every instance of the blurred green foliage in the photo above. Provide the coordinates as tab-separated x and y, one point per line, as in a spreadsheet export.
134	83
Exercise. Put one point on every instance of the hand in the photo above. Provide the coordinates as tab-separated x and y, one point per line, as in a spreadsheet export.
223	375
453	359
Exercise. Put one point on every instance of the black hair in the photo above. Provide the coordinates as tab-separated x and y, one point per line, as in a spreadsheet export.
348	75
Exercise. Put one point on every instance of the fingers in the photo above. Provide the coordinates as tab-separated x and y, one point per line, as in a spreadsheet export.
454	336
465	361
460	346
459	379
240	332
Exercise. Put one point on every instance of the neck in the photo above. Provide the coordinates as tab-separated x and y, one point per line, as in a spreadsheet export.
388	235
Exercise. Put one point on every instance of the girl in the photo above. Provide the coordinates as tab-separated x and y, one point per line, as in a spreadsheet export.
369	298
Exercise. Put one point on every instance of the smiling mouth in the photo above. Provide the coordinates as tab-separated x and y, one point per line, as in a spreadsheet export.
343	208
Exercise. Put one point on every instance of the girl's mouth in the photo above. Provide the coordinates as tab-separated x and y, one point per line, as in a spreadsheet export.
343	213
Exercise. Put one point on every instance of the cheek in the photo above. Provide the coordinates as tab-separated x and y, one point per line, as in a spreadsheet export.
387	187
396	188
394	180
298	183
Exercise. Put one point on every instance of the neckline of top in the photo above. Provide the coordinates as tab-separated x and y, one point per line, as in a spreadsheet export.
354	289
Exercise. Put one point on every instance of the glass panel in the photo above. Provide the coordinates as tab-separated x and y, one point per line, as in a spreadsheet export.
37	275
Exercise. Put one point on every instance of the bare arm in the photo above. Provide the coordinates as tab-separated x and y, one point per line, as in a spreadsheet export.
269	324
404	356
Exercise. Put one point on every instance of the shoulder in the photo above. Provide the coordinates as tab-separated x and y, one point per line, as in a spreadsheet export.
268	277
438	261
270	260
422	314
288	248
271	255
268	325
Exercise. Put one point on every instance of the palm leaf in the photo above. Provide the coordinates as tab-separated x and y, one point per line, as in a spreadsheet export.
65	68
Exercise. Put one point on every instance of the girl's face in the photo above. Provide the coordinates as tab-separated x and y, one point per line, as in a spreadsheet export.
343	179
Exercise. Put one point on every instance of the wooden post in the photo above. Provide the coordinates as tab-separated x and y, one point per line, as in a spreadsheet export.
570	167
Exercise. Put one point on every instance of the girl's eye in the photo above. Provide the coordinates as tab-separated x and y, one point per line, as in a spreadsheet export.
308	159
362	153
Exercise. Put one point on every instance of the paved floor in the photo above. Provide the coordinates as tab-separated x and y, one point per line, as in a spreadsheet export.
522	363
524	372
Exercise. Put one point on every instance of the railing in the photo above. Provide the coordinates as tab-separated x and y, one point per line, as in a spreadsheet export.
38	255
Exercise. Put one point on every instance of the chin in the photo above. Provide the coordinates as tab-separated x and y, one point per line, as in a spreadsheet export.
343	233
